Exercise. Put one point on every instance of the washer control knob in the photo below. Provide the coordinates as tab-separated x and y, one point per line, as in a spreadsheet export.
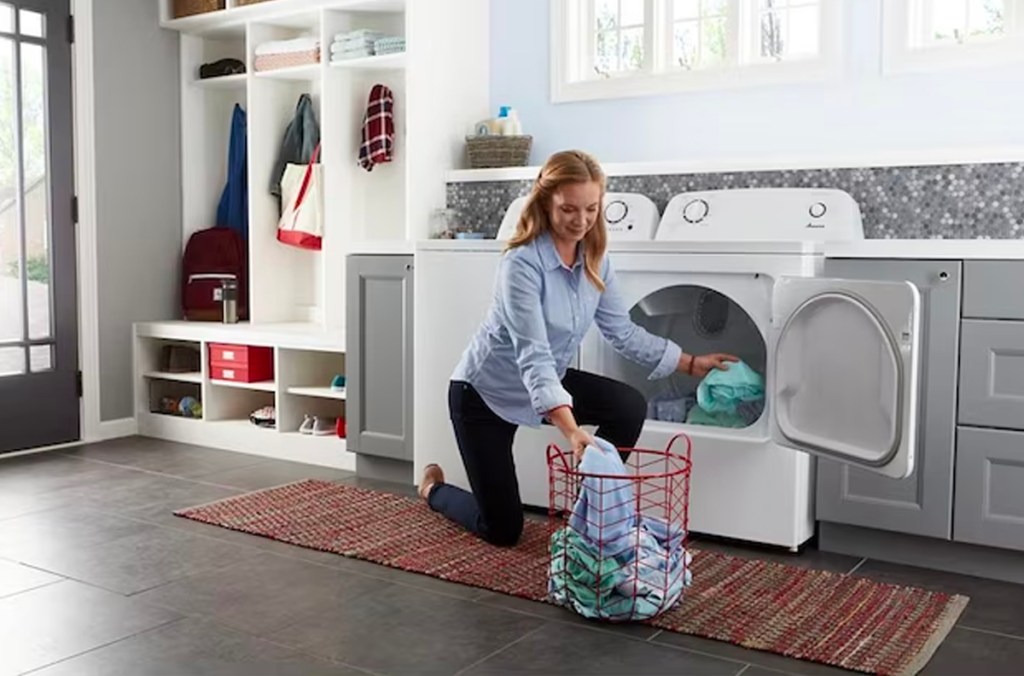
615	211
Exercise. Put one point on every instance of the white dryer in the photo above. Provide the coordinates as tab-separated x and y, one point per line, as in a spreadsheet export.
740	271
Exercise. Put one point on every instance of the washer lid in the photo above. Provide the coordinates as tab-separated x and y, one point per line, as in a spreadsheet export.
844	378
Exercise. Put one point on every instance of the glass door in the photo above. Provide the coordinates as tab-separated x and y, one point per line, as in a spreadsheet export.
39	399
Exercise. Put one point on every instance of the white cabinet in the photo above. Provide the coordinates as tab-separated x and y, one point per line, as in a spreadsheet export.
297	298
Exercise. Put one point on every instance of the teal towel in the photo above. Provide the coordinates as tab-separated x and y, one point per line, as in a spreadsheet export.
722	391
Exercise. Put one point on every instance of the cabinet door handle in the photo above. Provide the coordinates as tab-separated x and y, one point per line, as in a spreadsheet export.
408	266
943	276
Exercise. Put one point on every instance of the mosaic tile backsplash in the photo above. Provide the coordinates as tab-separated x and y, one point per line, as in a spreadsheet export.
963	201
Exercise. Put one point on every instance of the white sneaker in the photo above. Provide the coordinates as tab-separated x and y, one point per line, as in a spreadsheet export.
307	425
323	427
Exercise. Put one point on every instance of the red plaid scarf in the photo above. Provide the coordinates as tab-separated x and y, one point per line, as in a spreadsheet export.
378	129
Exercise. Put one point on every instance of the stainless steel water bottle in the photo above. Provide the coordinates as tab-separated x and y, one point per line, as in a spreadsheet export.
229	301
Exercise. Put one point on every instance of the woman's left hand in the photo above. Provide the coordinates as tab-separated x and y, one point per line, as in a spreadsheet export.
699	366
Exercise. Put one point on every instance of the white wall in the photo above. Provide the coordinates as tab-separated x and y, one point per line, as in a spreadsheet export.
138	184
862	113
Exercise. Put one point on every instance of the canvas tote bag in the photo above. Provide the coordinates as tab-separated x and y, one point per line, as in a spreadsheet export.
302	195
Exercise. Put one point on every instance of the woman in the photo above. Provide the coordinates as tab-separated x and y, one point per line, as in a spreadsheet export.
553	281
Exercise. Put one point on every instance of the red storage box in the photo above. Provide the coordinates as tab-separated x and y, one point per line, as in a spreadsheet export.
241	363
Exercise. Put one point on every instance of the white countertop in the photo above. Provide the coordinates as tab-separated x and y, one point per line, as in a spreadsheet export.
383	247
968	249
285	334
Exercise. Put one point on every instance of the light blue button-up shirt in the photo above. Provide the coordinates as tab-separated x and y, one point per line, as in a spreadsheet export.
540	312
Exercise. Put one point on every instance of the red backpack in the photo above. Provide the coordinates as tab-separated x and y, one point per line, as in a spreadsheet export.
211	256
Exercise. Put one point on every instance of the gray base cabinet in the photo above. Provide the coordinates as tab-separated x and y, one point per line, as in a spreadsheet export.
990	488
922	503
379	336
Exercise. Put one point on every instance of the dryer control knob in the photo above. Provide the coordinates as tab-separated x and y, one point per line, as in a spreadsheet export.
695	211
818	210
615	211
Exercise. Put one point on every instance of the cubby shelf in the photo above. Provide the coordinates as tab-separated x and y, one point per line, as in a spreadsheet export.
380	62
190	377
226	405
297	297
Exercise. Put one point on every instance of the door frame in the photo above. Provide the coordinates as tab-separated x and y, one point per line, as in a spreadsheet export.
83	83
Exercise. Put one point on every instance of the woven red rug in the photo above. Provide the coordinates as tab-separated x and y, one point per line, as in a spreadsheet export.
819	616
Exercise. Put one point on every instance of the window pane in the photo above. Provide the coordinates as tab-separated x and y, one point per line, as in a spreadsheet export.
715	7
632	12
948	20
12	318
685	44
802	32
31	23
632	49
606	14
41	358
606	47
6	18
36	190
12	361
713	42
985	17
687	9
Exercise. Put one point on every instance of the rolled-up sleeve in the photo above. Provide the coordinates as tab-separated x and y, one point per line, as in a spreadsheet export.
627	338
521	283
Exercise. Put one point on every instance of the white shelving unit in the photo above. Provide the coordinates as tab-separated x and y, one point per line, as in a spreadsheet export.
303	370
297	297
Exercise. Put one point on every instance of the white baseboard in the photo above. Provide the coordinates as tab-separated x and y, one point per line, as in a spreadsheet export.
114	429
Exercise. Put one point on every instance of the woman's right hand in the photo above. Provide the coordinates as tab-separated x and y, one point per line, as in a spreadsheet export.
579	439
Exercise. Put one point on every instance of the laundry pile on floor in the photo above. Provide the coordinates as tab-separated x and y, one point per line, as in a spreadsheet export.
733	397
364	42
610	562
276	54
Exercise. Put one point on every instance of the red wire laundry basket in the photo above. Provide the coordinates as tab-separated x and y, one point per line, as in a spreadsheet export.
617	542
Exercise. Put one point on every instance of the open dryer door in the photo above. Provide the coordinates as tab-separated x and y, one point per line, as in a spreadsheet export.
844	370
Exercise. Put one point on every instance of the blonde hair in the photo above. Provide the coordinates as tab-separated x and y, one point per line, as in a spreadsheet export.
567	166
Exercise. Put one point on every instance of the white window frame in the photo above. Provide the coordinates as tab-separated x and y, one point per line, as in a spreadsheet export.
571	50
901	55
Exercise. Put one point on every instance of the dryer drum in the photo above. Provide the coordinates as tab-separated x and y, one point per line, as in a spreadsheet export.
711	313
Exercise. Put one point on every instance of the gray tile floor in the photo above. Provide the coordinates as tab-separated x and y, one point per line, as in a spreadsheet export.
98	577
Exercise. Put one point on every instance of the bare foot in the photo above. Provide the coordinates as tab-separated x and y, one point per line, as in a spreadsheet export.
432	474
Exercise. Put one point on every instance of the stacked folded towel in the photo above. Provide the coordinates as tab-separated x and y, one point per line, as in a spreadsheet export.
364	42
286	53
389	45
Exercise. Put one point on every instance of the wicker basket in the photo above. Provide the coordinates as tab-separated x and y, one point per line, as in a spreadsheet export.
498	151
190	7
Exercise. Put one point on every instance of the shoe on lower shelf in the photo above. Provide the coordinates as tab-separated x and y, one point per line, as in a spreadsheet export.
323	427
307	425
264	417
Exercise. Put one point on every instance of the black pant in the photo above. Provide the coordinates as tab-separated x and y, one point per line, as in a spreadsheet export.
494	510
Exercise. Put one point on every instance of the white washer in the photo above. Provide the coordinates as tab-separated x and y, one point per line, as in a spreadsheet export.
629	217
736	271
